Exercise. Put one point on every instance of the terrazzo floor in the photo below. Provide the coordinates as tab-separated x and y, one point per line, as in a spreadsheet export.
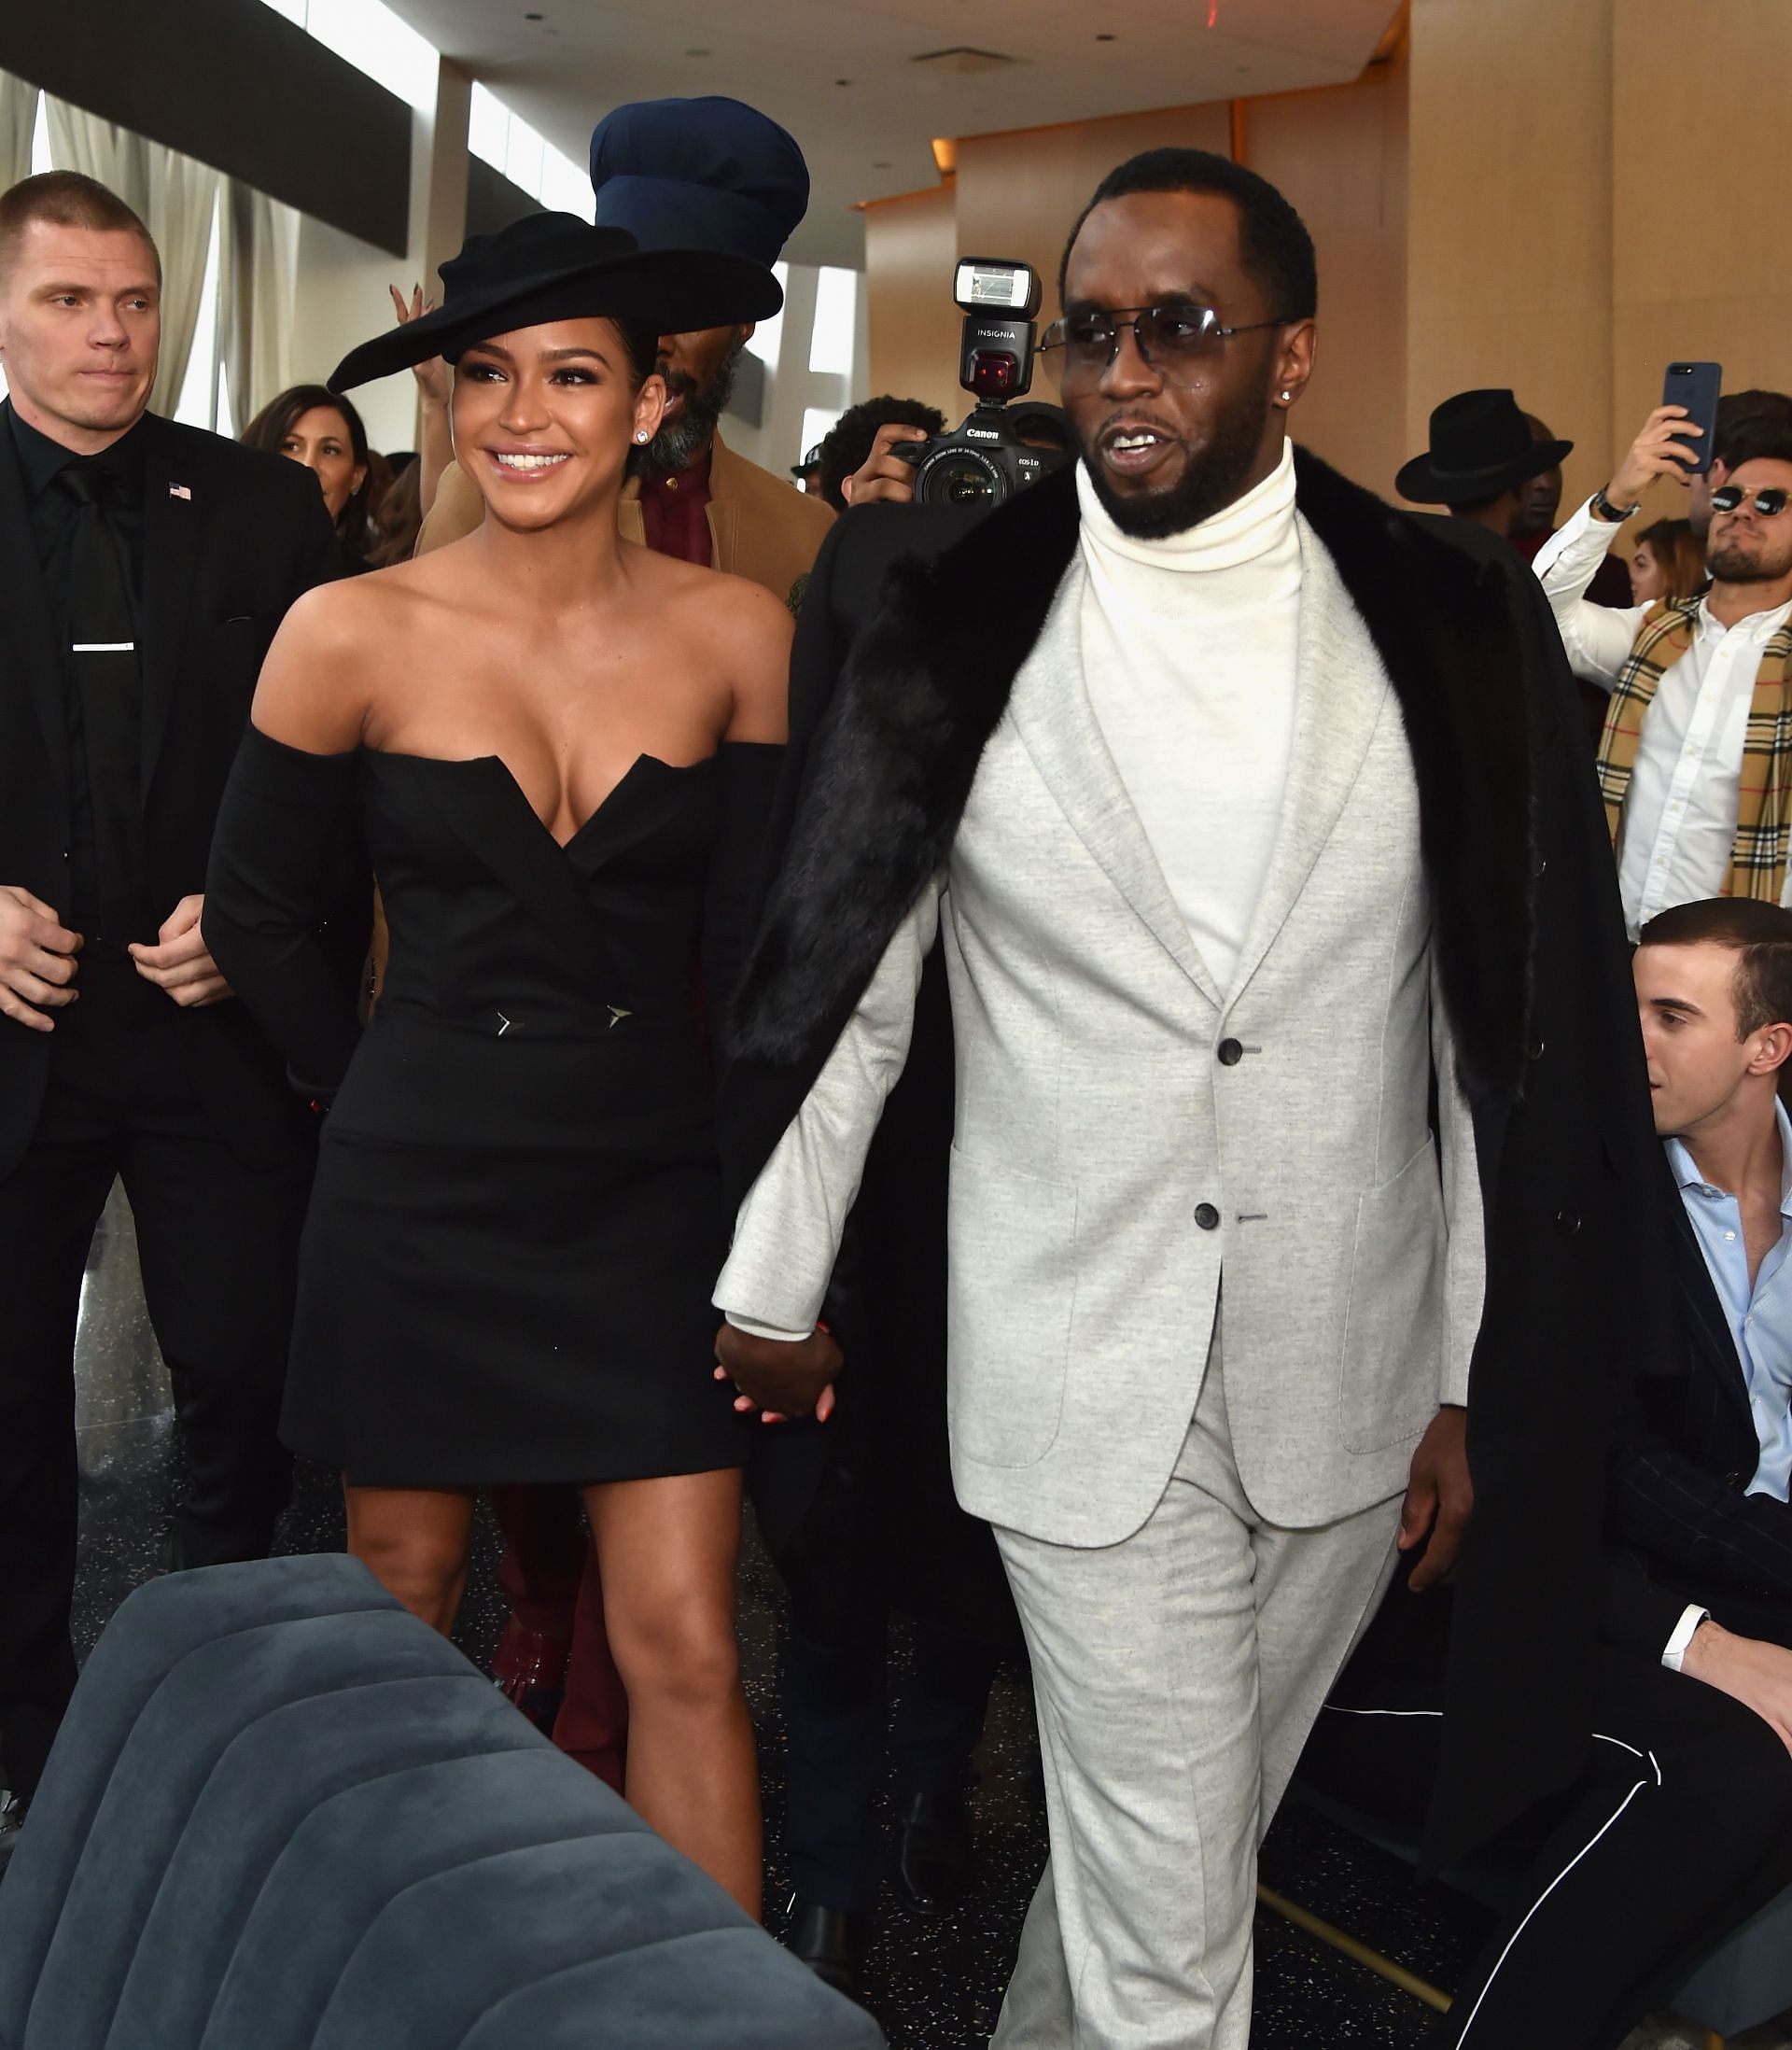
933	1985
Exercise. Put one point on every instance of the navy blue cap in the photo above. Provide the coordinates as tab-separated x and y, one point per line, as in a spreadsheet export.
709	174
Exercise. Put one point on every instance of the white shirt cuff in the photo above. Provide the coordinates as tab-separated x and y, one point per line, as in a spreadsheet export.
753	1328
1673	1656
1579	545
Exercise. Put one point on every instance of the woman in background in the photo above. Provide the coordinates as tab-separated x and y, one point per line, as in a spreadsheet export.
314	426
1666	561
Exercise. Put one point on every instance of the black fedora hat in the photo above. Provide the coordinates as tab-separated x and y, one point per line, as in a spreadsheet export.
556	267
1481	445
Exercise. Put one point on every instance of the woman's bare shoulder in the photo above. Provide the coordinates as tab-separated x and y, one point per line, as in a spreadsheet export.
322	672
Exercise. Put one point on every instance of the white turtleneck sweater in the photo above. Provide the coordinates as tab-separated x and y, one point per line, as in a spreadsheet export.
1189	656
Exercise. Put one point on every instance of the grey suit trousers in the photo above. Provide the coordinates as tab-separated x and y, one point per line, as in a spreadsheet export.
1177	1675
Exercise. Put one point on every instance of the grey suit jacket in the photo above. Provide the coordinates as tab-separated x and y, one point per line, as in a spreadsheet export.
1128	1133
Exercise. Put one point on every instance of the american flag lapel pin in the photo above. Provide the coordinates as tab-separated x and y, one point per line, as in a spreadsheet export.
181	491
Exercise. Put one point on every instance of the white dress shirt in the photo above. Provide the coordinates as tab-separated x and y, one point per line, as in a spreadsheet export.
1679	820
1189	657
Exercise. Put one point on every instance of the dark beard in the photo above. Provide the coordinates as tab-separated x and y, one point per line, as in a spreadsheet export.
1727	566
1208	486
681	441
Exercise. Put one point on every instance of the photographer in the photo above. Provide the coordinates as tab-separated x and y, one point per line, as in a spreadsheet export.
1695	682
852	442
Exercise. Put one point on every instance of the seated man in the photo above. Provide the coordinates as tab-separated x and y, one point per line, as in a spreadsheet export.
1681	1826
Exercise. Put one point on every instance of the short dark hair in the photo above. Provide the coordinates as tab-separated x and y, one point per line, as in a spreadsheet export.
1760	933
277	419
68	199
847	444
1273	242
1752	426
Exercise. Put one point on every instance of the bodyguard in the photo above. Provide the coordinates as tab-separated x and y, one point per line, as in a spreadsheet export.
145	569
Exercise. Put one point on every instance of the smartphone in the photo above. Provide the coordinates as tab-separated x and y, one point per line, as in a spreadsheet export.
1695	385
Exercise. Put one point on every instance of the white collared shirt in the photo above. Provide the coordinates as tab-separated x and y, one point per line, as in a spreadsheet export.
1757	1309
1679	820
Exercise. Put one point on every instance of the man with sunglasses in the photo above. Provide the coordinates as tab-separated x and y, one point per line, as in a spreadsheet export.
1187	756
1695	764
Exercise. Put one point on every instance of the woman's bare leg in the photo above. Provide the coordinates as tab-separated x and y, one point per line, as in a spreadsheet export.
414	1541
667	1550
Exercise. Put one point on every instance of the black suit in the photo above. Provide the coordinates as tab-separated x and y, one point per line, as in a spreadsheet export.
189	1107
1685	1451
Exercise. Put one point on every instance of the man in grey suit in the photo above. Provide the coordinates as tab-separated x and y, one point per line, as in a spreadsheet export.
1241	1011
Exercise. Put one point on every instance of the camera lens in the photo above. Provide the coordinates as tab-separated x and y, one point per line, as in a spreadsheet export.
965	484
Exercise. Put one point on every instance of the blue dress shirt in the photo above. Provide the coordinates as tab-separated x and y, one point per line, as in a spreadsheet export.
1760	1321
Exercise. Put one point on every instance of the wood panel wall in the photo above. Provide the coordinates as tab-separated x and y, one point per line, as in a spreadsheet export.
911	246
1699	218
1340	156
1509	223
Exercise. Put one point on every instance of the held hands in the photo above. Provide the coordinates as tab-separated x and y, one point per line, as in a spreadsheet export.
432	376
36	960
779	1380
179	963
1663	449
1751	1671
1440	1498
882	476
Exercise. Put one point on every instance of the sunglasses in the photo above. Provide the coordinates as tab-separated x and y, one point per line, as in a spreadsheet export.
1172	339
1769	503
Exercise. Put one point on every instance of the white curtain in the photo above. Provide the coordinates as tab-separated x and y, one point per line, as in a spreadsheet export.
17	121
257	289
183	198
80	141
175	195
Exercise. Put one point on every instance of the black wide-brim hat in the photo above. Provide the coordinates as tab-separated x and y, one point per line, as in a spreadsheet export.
1481	445
549	267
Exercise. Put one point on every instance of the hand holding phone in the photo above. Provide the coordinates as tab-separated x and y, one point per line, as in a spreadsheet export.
1696	386
1670	445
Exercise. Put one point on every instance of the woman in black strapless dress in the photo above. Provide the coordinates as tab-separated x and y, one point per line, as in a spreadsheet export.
558	748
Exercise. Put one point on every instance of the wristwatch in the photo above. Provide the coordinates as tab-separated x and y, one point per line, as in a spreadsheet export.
1614	516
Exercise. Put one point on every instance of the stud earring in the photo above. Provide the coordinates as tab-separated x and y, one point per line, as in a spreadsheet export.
1287	397
640	434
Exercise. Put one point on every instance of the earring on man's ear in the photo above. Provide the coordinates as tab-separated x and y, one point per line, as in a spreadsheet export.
640	434
1287	397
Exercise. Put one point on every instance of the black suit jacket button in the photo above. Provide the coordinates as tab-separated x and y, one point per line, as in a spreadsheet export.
1568	1222
1231	1053
1733	1480
1207	1217
1535	1050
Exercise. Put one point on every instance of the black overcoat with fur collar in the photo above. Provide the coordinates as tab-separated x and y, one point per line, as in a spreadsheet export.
1530	944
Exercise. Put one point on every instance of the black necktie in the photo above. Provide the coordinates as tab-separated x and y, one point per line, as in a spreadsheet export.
105	708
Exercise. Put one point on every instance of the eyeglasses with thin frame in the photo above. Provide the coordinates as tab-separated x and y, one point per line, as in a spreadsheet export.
1172	339
1770	502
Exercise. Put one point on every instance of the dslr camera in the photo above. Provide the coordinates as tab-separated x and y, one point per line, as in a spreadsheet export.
996	451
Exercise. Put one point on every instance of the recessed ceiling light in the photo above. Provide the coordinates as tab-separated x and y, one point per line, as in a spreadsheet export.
1104	39
843	81
696	53
882	164
531	17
